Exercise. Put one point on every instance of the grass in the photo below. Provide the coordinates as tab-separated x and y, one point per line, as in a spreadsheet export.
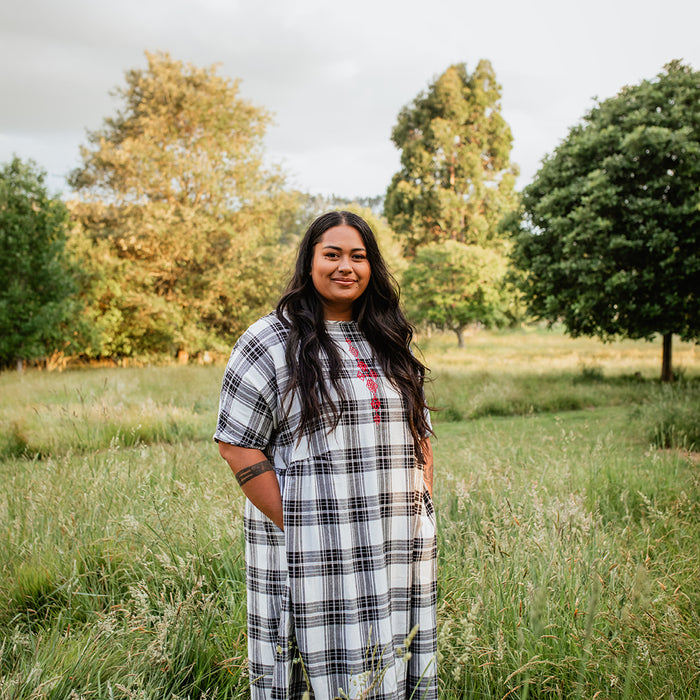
572	567
535	370
93	409
134	578
569	520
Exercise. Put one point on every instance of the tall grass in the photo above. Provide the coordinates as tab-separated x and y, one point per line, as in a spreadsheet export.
569	562
535	371
568	539
672	417
48	414
122	575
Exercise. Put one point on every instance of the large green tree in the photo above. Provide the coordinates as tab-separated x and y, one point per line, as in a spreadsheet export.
451	285
610	243
36	283
456	180
178	220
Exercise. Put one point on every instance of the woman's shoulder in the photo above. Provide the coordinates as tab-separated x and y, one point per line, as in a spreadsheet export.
267	332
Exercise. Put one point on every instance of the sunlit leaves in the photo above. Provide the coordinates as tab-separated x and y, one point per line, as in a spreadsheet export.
181	216
451	285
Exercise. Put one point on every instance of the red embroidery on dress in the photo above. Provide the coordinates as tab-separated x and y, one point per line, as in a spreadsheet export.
369	376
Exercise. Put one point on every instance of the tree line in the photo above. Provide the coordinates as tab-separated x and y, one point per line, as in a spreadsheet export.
177	236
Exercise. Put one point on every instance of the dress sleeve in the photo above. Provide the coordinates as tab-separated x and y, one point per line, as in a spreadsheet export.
248	406
428	421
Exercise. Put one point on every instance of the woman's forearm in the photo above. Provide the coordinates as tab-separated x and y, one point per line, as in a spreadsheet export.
428	465
257	480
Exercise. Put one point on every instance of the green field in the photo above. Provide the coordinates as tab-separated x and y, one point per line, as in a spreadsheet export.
568	496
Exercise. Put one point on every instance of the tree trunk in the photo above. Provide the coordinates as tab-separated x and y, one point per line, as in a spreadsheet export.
20	365
666	366
460	336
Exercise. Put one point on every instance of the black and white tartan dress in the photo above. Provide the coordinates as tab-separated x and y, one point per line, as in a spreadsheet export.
333	600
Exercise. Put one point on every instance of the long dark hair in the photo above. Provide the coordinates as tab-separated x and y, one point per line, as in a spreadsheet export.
379	318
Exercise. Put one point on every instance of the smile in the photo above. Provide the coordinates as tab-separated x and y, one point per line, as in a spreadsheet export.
344	282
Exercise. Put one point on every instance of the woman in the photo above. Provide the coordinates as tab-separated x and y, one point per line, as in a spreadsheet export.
323	421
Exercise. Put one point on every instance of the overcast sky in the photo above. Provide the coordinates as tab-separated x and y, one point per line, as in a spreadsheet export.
334	74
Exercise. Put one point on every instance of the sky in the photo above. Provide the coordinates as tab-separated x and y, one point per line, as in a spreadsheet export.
334	74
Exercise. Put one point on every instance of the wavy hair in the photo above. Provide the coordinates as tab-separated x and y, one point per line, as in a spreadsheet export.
379	318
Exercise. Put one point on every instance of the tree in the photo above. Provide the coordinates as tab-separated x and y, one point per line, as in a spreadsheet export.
610	243
456	180
177	220
36	284
452	285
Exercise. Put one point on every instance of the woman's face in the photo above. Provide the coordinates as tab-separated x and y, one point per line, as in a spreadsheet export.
340	271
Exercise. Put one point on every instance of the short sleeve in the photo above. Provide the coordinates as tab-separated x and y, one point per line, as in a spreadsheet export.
428	422
248	405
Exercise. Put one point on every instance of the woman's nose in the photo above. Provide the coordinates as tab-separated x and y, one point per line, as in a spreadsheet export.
344	263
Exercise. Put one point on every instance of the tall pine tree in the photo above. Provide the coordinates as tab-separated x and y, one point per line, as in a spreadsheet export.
456	180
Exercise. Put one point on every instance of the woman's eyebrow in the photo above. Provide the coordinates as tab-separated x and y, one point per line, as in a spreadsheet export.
337	247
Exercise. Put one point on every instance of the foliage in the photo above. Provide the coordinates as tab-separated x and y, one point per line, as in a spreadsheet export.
36	283
611	237
179	224
452	285
456	180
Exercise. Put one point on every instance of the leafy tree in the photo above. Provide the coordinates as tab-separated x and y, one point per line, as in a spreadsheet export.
36	284
610	243
178	221
456	180
452	285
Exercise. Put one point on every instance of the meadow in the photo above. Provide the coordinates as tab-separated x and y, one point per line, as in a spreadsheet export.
568	499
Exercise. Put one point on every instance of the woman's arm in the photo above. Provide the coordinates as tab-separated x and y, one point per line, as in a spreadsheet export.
428	465
256	478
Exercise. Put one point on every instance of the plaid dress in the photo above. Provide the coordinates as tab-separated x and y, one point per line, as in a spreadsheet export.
342	603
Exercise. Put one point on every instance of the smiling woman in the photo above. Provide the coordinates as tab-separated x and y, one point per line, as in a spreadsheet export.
324	423
340	271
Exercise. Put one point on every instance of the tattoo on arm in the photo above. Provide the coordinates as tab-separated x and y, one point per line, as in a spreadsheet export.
247	473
